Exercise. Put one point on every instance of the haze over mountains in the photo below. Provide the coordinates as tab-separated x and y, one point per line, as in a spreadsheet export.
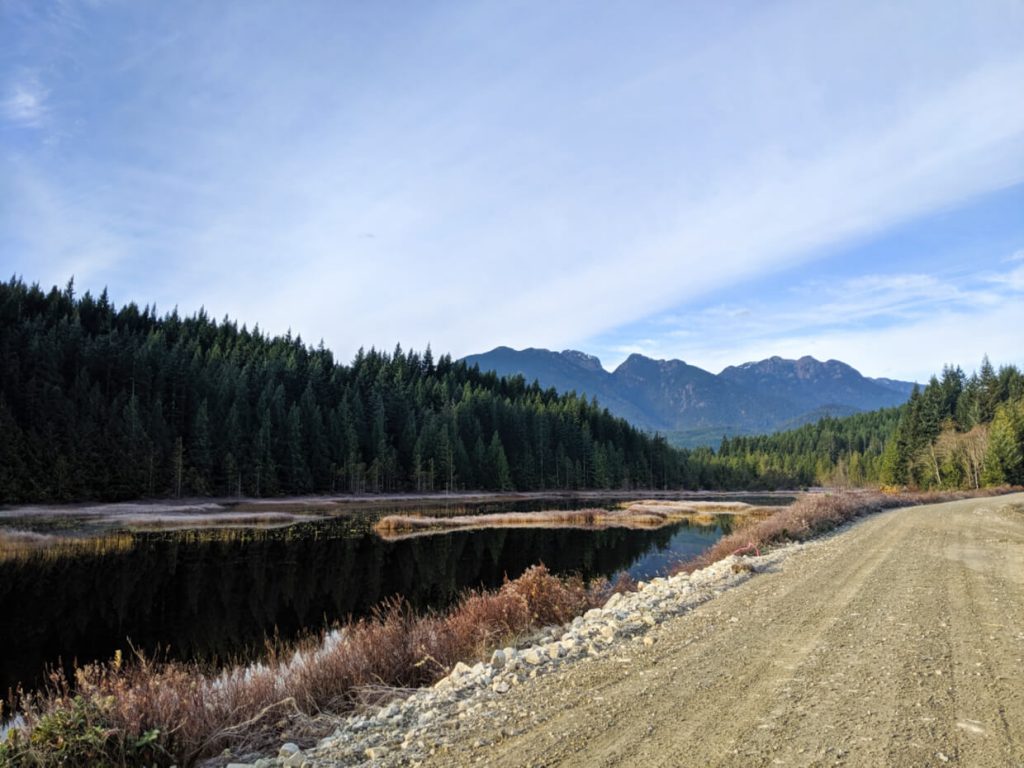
695	407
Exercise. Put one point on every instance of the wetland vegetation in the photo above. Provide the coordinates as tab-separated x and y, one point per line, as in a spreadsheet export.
81	588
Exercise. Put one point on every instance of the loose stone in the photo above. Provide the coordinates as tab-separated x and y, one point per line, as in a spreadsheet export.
533	657
425	721
287	750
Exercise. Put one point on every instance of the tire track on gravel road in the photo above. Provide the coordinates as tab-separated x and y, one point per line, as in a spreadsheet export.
896	642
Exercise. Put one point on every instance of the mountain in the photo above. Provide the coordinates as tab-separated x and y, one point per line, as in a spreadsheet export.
815	384
903	387
695	407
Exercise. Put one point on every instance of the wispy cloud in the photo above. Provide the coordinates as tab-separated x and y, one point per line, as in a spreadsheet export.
868	321
768	221
525	183
24	103
1013	280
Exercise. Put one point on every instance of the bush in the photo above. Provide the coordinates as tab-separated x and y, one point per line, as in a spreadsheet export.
79	730
148	713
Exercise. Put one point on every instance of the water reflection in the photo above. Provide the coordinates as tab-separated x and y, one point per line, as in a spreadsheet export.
215	595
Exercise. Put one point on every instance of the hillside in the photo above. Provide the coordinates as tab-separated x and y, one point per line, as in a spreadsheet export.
958	431
695	407
101	402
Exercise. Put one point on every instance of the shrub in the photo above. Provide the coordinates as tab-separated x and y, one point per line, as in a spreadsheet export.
148	713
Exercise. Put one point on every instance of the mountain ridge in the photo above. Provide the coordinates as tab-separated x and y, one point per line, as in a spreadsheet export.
693	406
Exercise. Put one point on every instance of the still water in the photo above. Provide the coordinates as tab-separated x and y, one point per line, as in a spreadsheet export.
216	595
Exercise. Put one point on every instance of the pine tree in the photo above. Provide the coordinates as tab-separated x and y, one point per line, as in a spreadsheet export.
1004	460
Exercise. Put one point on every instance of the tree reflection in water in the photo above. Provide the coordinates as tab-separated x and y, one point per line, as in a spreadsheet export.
216	594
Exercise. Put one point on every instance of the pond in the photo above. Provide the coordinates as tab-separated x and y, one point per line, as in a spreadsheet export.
216	594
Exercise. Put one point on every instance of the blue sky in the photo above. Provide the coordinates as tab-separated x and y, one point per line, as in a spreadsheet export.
716	182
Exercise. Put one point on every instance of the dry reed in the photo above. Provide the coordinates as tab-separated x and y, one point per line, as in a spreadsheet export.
143	712
637	514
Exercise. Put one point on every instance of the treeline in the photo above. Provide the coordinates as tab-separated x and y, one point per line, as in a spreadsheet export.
958	432
99	402
831	451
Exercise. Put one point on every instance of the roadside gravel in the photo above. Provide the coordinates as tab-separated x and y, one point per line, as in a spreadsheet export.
897	641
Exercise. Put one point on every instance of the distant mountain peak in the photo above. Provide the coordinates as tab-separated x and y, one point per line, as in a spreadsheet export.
637	359
801	367
583	360
694	406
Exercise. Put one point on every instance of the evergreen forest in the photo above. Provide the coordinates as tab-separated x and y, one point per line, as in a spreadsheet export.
107	403
100	402
958	431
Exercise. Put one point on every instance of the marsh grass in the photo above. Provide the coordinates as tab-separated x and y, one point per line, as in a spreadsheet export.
139	711
635	514
18	544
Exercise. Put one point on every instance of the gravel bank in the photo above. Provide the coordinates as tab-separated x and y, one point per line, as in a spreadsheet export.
896	641
407	731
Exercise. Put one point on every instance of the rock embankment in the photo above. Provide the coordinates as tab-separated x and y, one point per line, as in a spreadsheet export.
409	730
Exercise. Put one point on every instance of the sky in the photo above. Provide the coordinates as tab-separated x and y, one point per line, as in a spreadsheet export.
713	182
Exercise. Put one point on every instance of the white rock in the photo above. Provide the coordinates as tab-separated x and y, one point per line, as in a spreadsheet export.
287	750
444	684
533	657
498	659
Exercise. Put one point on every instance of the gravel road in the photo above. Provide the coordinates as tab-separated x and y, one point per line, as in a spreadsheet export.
898	641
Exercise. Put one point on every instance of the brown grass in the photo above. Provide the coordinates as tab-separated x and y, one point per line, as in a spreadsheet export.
635	514
179	713
815	513
20	545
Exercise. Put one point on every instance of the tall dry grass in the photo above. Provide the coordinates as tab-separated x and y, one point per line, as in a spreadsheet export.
816	513
636	514
143	712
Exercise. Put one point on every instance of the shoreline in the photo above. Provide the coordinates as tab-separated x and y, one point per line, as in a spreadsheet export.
343	502
425	724
409	729
807	519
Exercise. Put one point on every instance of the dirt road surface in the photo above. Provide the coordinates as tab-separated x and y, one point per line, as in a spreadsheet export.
896	642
